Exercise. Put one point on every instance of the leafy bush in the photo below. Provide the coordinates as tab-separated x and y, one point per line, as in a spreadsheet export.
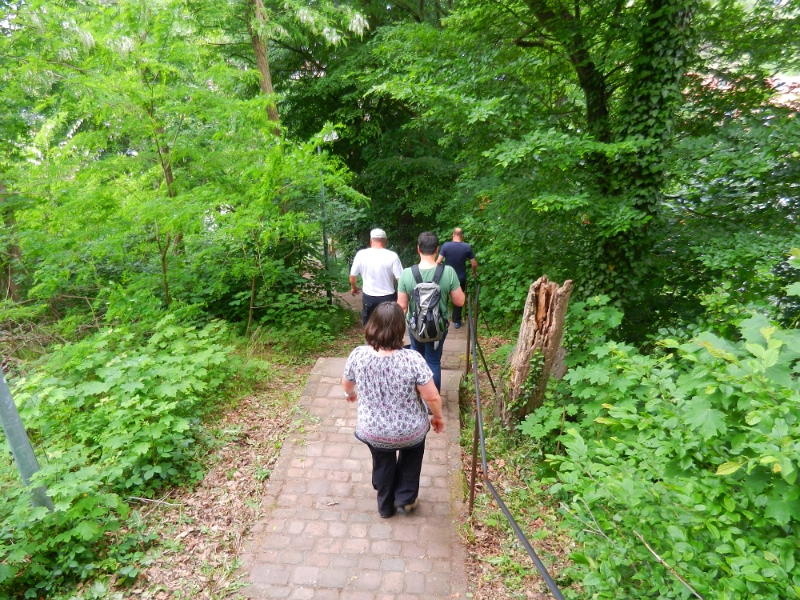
114	416
302	323
688	458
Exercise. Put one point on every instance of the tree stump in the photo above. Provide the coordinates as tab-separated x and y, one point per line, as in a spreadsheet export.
538	353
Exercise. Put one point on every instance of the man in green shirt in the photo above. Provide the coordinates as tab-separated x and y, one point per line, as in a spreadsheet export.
427	248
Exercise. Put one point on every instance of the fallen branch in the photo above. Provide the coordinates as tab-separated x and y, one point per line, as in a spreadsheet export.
670	569
149	501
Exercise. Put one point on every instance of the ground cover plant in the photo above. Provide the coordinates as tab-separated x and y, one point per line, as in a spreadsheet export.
113	416
137	418
675	470
498	566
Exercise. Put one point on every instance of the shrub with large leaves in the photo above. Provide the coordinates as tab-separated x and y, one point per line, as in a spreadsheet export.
688	459
679	466
112	416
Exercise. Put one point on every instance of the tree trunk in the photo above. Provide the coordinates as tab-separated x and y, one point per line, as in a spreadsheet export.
252	305
635	179
538	353
654	95
262	62
166	168
162	250
13	252
568	30
653	99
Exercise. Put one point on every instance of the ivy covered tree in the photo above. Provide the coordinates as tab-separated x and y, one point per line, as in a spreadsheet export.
576	121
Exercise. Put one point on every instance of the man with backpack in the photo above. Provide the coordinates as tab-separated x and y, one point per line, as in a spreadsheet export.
423	291
379	269
456	254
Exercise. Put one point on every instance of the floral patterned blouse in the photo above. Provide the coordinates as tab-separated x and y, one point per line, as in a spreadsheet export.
390	415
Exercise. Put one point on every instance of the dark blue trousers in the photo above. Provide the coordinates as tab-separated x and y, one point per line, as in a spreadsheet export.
432	353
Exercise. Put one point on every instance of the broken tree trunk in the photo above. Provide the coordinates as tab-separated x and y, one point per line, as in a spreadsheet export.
538	353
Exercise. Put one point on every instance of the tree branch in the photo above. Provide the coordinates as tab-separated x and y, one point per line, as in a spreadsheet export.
414	14
670	569
49	62
540	43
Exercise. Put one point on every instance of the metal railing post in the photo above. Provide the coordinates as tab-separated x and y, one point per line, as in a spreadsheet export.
469	336
479	437
20	444
474	473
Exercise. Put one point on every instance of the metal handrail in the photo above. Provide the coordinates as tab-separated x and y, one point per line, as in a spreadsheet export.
479	437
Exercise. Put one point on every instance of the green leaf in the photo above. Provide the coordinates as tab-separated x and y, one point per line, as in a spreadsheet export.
729	503
751	328
7	572
783	509
575	443
96	387
581	559
788	471
793	289
86	530
728	468
709	421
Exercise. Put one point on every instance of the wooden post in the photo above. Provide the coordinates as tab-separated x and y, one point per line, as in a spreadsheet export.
538	349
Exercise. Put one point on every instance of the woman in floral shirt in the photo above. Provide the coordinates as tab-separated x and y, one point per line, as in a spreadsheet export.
384	379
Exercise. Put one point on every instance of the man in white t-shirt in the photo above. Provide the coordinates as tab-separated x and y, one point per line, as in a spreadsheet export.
379	269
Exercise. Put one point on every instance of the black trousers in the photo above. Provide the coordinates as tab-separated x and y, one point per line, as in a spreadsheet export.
370	302
457	309
395	475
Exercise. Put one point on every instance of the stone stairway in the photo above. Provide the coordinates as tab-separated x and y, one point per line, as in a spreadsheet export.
322	538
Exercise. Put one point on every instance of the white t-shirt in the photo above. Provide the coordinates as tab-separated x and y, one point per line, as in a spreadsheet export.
378	268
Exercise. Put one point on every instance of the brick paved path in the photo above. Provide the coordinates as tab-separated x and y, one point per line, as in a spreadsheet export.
322	537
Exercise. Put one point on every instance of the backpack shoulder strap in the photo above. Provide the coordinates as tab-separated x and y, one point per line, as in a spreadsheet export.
417	275
437	274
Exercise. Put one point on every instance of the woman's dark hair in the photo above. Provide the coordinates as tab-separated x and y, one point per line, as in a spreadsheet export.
428	243
386	327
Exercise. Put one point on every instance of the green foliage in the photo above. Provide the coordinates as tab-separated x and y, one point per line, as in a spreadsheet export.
645	150
588	326
690	450
586	152
291	321
166	177
546	420
115	415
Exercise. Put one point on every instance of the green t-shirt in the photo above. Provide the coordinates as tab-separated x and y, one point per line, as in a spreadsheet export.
447	284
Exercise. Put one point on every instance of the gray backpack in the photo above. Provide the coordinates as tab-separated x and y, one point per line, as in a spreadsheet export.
426	323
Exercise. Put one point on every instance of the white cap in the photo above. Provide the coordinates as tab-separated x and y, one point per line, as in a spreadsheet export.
377	234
